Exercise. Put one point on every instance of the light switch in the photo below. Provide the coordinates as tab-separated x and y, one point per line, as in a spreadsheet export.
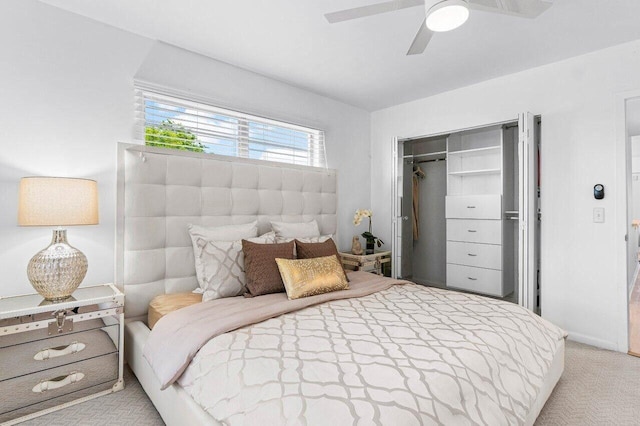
598	215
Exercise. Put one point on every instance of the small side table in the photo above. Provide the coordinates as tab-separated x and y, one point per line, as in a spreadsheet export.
376	262
56	354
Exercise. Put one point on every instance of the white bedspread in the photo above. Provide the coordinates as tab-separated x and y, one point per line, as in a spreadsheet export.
407	355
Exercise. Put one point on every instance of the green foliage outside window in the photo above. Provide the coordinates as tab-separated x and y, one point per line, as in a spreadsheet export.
172	135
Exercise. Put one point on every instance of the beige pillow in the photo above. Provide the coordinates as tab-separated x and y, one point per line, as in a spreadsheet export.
308	277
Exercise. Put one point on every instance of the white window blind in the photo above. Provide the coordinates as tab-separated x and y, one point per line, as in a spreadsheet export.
172	122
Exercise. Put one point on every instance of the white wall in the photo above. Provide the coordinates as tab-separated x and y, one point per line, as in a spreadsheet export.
67	98
581	260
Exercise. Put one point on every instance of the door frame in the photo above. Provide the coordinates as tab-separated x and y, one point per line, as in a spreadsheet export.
525	286
622	198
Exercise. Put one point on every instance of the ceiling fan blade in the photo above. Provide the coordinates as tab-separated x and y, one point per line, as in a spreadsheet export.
421	40
370	10
521	8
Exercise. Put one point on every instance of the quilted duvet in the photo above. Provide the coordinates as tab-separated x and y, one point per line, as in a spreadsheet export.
406	355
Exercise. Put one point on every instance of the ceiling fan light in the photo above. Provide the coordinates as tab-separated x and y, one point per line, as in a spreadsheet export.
447	15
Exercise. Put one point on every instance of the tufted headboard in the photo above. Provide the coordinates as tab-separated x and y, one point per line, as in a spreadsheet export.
161	191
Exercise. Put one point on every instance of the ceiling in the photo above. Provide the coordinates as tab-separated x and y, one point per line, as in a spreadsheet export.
363	62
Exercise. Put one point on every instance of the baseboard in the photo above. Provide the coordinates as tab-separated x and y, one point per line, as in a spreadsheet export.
632	353
592	341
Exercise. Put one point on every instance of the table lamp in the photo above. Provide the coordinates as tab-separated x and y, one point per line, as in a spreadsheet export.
58	270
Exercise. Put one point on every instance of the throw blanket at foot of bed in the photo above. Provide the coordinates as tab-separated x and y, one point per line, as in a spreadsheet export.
177	337
403	355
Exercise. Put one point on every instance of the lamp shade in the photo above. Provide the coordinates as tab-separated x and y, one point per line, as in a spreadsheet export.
56	201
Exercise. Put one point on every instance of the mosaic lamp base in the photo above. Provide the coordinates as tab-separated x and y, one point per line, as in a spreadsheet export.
57	271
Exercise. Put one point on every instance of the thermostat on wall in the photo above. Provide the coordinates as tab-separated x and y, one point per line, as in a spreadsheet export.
598	191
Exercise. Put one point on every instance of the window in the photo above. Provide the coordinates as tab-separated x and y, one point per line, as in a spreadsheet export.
172	122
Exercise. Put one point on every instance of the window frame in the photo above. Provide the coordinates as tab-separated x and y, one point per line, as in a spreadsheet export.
315	153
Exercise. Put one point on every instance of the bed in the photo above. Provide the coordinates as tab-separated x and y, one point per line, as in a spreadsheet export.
385	352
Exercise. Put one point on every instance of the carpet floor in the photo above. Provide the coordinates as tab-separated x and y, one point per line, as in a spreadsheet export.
598	387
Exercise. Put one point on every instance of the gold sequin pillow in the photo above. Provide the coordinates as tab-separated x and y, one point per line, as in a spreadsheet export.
308	277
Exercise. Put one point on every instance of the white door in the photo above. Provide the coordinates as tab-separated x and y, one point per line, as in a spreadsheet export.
528	215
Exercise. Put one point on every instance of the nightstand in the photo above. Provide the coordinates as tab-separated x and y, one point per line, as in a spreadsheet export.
376	262
59	354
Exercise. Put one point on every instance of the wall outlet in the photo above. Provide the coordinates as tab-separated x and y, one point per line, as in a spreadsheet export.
598	215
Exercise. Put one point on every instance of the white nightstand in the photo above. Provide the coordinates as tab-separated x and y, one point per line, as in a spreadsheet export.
59	354
375	262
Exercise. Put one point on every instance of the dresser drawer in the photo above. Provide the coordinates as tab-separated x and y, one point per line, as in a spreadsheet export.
55	382
474	254
475	231
477	280
18	360
473	207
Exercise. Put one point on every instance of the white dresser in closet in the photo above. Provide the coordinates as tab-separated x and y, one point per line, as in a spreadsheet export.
479	190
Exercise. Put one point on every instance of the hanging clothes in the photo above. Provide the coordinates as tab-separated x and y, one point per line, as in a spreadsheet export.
417	175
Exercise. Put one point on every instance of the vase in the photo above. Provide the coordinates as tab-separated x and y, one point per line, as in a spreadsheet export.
370	246
356	247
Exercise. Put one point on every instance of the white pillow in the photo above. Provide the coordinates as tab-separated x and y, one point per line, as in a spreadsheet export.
319	239
225	232
296	230
222	266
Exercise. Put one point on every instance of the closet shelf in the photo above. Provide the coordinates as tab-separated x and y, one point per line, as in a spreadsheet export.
487	149
476	172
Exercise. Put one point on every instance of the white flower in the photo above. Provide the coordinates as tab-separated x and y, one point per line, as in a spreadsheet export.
361	214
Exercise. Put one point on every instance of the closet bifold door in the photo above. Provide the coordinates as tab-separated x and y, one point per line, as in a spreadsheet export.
527	262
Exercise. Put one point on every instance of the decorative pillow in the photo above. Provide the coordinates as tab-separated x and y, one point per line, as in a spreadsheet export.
222	267
262	274
218	233
306	250
308	277
296	230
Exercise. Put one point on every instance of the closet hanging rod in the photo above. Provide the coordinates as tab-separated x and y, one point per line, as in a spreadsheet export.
424	155
427	161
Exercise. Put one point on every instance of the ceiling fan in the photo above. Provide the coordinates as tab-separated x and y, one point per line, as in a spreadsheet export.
443	15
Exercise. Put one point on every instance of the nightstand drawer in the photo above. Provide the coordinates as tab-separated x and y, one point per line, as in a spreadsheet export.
55	402
34	334
35	388
53	352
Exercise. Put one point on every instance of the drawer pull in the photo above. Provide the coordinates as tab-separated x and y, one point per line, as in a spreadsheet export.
58	382
471	207
59	351
471	230
472	279
471	254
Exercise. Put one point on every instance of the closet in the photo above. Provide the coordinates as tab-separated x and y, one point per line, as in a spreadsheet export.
459	211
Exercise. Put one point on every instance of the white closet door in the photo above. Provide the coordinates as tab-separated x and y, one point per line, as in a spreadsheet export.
527	211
